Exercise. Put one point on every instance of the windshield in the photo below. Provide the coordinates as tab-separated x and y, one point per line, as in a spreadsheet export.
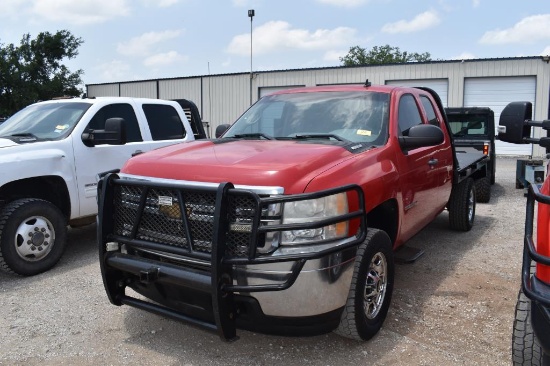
52	121
471	124
339	116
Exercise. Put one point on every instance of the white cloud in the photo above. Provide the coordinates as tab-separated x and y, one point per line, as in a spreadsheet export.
276	35
12	8
464	56
163	59
143	44
344	3
246	3
81	11
113	70
527	30
334	55
160	3
426	20
476	3
546	51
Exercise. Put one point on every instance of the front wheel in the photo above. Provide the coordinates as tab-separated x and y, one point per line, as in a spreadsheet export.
526	349
32	236
371	288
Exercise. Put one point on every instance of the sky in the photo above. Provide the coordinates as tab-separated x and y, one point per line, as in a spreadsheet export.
126	40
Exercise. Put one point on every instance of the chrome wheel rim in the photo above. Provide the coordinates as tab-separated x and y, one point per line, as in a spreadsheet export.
375	286
34	238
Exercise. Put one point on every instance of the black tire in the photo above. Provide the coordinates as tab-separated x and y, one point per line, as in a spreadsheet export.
483	189
526	349
462	206
33	235
373	277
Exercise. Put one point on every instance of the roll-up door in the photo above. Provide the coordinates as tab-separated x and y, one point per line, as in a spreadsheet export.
440	86
496	93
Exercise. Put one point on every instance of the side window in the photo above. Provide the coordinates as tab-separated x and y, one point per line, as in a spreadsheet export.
164	122
409	115
133	134
430	112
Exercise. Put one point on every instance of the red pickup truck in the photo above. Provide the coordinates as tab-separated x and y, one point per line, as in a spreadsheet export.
288	222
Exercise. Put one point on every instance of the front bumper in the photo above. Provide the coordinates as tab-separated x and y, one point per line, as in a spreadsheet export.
534	289
220	285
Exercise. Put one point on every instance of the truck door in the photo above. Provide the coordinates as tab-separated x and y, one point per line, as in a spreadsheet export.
163	126
423	170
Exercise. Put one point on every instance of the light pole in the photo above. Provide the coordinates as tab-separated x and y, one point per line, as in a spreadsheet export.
251	16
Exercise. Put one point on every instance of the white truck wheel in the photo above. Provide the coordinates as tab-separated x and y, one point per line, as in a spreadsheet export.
33	235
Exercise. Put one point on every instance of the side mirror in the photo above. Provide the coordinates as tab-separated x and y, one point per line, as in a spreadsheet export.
113	134
421	136
220	130
512	127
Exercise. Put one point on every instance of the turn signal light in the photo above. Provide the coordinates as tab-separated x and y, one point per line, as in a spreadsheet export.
486	148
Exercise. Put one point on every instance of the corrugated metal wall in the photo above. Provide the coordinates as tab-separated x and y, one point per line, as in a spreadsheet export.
222	98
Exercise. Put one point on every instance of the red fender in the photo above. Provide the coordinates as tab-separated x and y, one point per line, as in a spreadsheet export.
543	234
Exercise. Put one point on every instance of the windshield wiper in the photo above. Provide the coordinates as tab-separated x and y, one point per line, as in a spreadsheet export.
319	136
253	135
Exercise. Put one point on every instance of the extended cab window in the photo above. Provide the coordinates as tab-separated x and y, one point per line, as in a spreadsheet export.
121	110
429	109
409	114
164	122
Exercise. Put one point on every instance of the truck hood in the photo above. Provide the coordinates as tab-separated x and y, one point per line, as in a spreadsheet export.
7	143
288	164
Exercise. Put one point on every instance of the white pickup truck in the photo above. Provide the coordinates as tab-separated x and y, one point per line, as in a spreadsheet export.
50	155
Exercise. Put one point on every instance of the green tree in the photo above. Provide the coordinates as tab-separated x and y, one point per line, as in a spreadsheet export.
379	55
34	70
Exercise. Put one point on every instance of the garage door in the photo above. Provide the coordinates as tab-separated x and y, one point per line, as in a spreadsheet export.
440	86
496	93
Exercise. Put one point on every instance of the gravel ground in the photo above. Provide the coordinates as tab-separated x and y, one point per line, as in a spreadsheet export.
453	306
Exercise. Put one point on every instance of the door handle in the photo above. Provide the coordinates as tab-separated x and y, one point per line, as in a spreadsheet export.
433	162
137	152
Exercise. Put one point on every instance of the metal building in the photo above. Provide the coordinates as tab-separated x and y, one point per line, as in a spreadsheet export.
489	83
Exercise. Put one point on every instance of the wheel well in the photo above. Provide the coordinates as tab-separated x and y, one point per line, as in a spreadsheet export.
50	188
481	173
385	217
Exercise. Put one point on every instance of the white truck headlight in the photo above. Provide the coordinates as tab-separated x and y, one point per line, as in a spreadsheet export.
314	210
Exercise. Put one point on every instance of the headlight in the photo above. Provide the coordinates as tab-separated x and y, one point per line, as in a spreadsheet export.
315	210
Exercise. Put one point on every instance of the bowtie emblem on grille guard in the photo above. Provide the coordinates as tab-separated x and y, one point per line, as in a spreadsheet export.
167	207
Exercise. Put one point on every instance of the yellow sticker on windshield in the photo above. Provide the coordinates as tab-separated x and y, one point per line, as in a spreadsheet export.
61	127
364	132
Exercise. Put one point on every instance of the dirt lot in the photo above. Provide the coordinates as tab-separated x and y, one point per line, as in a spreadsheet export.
454	306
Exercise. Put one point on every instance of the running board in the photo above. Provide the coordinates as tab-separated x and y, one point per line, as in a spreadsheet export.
407	255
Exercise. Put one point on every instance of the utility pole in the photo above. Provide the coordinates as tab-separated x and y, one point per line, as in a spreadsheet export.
251	14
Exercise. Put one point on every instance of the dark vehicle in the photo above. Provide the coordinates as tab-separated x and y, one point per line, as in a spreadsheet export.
531	332
475	127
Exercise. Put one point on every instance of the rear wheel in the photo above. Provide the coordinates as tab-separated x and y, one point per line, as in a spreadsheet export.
526	349
32	236
371	288
483	189
462	205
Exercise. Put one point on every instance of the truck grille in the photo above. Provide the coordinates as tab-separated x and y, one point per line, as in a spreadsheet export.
183	219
